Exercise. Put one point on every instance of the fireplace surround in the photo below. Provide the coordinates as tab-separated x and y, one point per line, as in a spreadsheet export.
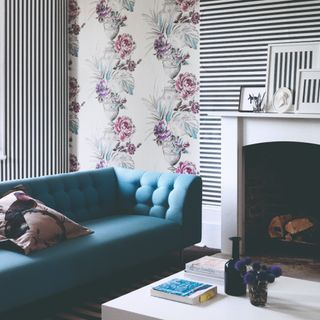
245	129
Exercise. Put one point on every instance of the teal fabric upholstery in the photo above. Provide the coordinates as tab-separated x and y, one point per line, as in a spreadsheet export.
80	196
113	246
135	216
169	196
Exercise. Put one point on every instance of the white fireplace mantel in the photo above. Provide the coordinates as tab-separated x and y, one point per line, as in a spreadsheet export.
240	129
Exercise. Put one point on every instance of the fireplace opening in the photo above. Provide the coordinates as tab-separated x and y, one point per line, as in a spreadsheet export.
282	199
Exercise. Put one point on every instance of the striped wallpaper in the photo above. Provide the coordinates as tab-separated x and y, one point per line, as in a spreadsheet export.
36	104
2	67
234	38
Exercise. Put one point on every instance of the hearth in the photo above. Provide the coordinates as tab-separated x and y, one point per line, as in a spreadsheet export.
282	203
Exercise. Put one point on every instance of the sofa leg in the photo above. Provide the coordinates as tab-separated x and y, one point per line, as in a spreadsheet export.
181	258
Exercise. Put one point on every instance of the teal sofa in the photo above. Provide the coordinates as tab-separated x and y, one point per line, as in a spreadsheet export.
135	215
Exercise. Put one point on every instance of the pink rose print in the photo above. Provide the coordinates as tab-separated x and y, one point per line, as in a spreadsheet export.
131	148
74	10
124	127
131	65
74	107
74	163
186	85
186	167
195	17
73	87
194	106
101	164
74	29
186	5
124	45
102	10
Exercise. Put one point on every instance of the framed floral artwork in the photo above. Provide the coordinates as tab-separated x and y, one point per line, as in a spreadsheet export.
251	99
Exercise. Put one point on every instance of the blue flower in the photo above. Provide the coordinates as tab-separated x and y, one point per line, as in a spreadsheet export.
270	277
262	276
239	265
256	266
247	260
277	272
249	278
257	273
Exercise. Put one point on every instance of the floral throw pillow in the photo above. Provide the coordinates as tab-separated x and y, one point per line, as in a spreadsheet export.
27	225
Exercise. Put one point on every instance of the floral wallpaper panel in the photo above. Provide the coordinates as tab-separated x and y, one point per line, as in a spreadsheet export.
134	84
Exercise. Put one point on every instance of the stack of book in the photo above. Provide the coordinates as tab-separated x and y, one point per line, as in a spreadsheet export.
208	266
185	291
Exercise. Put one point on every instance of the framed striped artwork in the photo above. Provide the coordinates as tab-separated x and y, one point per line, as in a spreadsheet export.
284	61
308	94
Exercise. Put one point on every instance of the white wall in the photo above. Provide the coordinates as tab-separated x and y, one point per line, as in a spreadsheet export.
211	227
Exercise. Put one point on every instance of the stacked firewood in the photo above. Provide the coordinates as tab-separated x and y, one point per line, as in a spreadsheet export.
297	229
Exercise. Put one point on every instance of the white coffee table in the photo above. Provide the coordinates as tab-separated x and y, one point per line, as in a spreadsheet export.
288	298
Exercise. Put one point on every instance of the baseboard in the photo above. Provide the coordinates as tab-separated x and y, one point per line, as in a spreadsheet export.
211	227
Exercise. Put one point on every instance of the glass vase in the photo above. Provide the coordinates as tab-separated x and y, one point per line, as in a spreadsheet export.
258	108
258	294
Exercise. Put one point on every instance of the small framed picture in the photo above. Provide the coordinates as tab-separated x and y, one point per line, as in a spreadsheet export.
251	98
308	95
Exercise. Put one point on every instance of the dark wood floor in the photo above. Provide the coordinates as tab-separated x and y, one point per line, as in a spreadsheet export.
85	303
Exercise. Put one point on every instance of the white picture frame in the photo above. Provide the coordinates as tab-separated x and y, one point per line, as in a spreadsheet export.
308	93
284	61
2	79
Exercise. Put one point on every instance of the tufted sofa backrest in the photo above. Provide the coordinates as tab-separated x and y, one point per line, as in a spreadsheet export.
161	195
93	194
81	195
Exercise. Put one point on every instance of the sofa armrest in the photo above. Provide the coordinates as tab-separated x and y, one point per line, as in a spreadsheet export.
175	197
185	207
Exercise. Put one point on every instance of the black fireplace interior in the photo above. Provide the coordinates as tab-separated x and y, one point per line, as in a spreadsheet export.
282	199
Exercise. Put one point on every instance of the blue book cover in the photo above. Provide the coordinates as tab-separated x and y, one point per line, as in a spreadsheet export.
181	287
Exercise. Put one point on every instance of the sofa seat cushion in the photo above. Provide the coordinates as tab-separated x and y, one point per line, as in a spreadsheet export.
121	240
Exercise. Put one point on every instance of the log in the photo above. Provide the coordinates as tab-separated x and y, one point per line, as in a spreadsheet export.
288	237
276	226
298	225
